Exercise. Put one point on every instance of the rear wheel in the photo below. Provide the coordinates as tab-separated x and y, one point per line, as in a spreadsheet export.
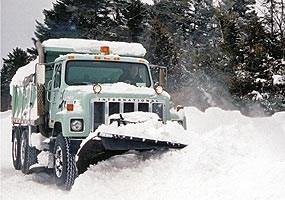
64	163
28	155
16	146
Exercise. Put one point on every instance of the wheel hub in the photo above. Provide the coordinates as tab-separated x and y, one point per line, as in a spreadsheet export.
15	148
58	161
23	150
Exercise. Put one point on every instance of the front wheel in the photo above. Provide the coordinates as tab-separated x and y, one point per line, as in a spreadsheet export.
64	163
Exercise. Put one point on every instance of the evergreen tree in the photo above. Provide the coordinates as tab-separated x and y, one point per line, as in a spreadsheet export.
15	60
135	15
247	43
242	39
166	31
61	21
206	64
93	19
274	23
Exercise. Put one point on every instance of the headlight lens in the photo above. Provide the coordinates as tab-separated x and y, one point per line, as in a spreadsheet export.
158	89
76	125
97	88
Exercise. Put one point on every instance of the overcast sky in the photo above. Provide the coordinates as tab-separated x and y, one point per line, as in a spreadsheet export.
18	19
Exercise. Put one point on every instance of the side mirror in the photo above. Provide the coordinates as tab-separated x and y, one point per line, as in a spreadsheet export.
161	77
159	74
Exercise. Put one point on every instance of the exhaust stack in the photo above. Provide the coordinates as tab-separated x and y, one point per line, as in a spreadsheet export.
40	81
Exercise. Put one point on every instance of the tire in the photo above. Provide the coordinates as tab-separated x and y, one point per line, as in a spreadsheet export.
16	148
64	163
28	155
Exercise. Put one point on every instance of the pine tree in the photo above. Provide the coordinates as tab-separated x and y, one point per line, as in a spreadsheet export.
274	23
61	21
165	32
119	20
206	64
15	60
242	38
135	15
248	44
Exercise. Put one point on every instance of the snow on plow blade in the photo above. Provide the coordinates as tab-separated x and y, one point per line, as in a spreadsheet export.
116	142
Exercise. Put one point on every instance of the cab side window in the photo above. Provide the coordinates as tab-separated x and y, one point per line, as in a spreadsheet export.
57	76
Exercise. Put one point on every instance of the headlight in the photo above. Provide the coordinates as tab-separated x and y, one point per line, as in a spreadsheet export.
158	89
179	107
97	88
76	125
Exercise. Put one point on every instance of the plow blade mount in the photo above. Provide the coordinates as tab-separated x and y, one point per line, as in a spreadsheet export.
96	150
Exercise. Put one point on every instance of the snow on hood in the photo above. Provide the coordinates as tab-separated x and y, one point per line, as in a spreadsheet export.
93	46
116	88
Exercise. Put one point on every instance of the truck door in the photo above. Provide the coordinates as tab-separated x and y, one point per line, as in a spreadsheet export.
55	93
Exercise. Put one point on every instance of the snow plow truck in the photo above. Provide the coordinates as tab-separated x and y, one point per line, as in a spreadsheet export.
77	86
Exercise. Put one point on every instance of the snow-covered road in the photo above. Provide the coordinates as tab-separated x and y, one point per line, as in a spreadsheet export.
229	157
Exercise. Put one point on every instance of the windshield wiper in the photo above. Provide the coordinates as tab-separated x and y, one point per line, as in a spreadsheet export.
83	83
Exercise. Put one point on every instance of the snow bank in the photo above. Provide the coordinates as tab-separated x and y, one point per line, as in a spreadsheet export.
229	157
93	46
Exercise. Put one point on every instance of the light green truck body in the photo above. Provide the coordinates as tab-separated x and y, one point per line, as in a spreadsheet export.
71	92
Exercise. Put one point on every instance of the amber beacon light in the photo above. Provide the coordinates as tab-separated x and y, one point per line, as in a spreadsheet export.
105	50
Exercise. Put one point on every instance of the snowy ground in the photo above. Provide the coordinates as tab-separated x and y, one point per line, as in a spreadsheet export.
229	157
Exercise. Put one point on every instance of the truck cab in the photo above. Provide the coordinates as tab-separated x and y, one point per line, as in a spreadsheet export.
85	89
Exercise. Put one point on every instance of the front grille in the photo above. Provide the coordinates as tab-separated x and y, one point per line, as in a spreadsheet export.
102	108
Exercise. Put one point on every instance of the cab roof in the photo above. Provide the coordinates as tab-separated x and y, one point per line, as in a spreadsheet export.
93	47
101	57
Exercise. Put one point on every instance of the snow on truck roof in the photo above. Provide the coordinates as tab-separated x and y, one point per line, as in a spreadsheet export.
93	46
112	57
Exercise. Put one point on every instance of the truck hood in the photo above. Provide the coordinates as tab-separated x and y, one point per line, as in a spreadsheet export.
117	90
80	96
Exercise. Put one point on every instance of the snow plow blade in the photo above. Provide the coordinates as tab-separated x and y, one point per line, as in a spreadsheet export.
106	145
120	143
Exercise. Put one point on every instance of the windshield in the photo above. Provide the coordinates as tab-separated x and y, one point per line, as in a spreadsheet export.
90	72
